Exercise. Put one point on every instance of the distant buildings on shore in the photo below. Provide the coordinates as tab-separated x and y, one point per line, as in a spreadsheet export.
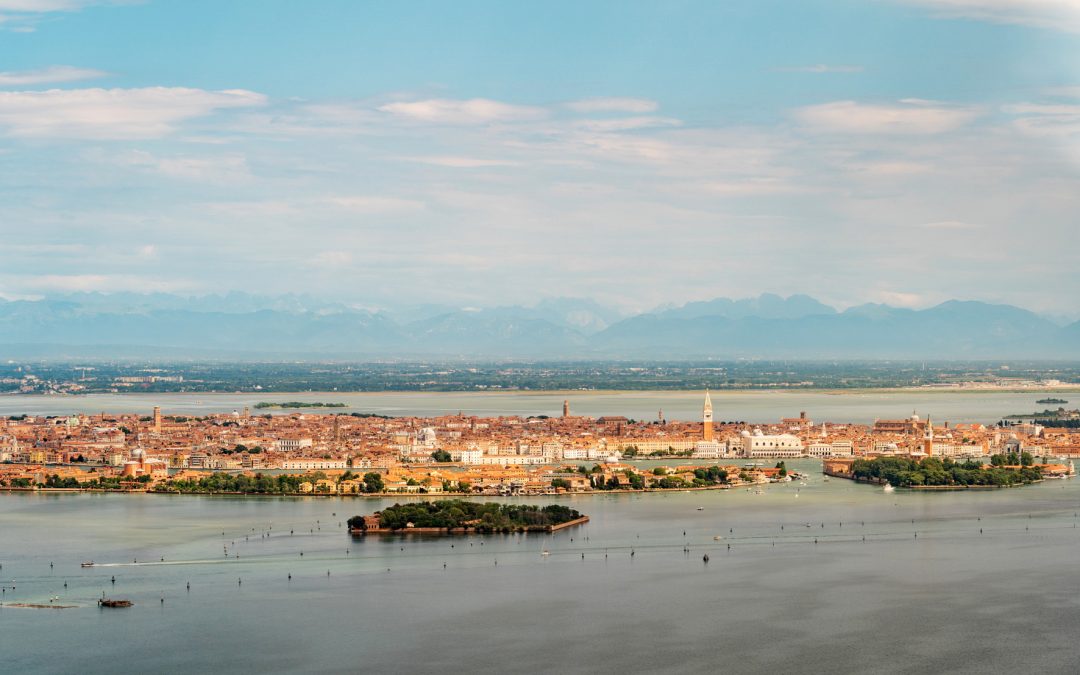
135	446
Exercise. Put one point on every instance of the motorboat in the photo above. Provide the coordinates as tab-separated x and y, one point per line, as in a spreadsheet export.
888	487
89	563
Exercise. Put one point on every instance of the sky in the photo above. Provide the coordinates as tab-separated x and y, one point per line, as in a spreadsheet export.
480	153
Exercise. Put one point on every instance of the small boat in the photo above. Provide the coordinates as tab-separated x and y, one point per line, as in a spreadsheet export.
545	552
717	538
888	487
89	563
108	602
701	508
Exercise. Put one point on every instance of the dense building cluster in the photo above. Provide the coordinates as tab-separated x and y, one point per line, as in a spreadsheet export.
509	453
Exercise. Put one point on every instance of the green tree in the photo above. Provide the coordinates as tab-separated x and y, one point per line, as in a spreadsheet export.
441	456
373	482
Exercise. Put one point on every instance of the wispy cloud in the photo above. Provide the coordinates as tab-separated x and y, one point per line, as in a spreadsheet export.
820	68
462	162
950	225
112	113
370	204
613	104
42	6
1040	119
50	75
627	123
909	117
469	111
1062	15
66	283
22	15
226	169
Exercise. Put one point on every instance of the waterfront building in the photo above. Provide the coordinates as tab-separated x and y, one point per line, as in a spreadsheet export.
709	450
141	465
757	444
312	464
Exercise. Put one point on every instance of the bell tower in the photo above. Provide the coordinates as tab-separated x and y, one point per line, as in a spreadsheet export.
928	438
706	418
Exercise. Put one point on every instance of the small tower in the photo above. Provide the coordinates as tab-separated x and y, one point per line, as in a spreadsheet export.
660	417
157	419
706	418
565	408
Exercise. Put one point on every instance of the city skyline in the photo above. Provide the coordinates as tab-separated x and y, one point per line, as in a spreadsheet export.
487	154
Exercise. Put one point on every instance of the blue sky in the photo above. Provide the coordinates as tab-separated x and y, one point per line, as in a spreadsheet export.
480	153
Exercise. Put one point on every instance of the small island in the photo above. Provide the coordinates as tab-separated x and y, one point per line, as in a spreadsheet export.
454	516
262	405
1051	401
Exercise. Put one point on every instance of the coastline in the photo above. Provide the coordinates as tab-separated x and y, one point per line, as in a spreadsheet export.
740	391
367	495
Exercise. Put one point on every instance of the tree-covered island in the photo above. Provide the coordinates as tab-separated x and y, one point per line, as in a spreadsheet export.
944	472
454	515
262	405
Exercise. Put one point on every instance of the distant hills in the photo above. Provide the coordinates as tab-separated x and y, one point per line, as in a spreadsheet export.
245	326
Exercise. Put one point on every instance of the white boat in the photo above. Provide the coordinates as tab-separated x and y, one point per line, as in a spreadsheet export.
545	552
88	564
888	487
701	508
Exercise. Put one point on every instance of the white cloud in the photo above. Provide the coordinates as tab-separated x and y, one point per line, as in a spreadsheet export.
50	75
821	68
112	113
470	111
613	104
1062	15
912	116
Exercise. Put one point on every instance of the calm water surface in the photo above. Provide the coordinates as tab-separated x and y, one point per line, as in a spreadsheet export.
758	406
799	589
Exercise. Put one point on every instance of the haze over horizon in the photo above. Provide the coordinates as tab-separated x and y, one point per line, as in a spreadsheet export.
486	154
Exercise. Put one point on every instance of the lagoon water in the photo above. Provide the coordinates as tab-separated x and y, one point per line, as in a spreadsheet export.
859	406
799	590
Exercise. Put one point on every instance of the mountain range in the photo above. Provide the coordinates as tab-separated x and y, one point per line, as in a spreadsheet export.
246	326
